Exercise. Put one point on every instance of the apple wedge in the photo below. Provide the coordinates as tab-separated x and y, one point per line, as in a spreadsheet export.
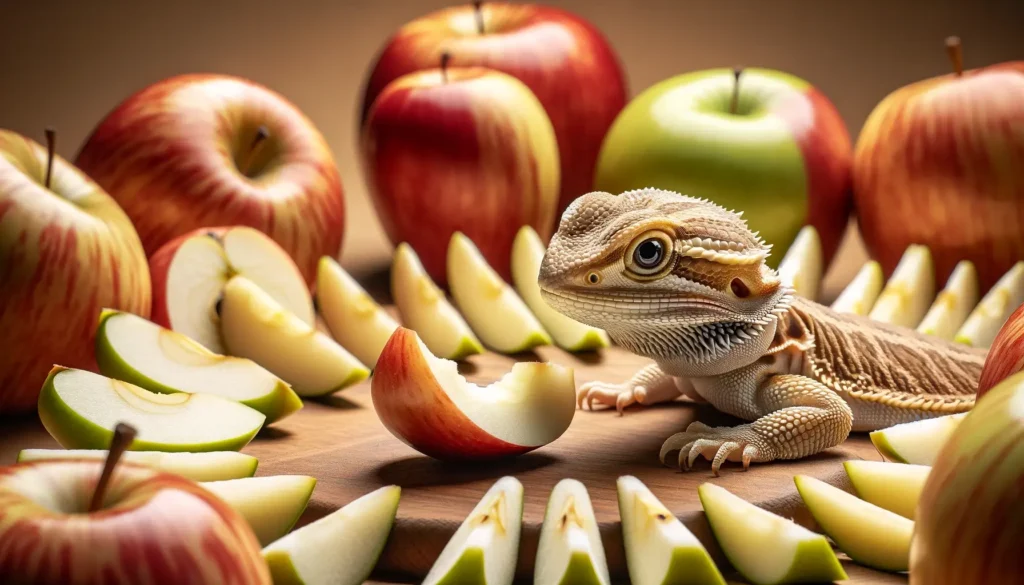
765	548
80	410
803	266
495	312
868	534
271	505
355	320
917	442
424	402
861	294
257	328
910	290
982	325
485	548
896	487
952	305
570	549
341	548
212	466
424	308
659	549
135	350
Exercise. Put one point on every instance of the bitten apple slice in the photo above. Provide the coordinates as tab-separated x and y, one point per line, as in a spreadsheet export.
341	548
135	350
271	505
80	410
659	549
896	487
868	534
212	466
995	307
861	294
422	400
570	335
570	549
485	548
765	548
952	305
910	290
258	328
495	312
917	442
355	320
803	265
424	308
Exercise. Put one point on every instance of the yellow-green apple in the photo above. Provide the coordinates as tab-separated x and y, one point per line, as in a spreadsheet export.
203	150
756	140
565	61
271	504
354	319
938	163
189	274
909	291
970	520
894	486
953	304
916	442
803	267
427	404
982	325
570	548
1006	355
465	149
209	466
66	251
861	294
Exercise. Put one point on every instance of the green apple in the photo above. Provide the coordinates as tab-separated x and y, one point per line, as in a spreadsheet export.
861	294
952	305
894	486
868	534
982	325
255	326
80	410
659	549
485	548
765	548
271	505
570	549
355	320
917	442
139	351
570	335
910	290
211	466
803	265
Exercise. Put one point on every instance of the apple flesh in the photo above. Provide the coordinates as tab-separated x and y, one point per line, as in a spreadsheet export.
1006	355
893	486
995	308
861	294
951	307
355	320
803	266
570	549
211	466
916	442
909	292
271	505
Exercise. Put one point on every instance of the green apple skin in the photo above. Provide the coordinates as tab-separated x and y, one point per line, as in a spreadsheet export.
692	567
468	570
266	528
580	571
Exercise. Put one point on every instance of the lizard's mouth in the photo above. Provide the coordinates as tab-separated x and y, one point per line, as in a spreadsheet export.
578	305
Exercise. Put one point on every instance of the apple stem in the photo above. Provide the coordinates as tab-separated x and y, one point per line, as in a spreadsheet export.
123	436
262	133
51	146
478	11
956	54
734	103
445	58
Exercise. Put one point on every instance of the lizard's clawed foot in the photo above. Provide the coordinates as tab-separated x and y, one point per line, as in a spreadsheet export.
618	395
717	444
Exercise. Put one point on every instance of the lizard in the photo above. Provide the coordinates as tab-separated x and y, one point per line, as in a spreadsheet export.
684	282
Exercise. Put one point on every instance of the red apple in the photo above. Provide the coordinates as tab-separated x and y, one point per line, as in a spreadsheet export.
210	150
562	58
1006	354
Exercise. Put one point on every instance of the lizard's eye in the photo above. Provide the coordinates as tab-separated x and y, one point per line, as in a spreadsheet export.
649	253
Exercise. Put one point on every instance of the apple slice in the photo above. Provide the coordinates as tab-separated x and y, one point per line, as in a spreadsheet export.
868	534
570	549
341	548
896	487
212	466
258	328
355	320
428	405
910	290
803	265
495	312
135	350
485	548
995	307
765	548
659	549
424	308
861	294
952	305
917	442
570	335
80	410
271	505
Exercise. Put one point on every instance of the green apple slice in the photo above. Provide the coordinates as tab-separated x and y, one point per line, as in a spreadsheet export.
271	505
139	351
212	466
570	549
952	305
425	309
495	312
570	335
984	322
355	320
868	534
659	549
341	548
917	442
861	294
485	548
256	327
910	290
803	265
765	548
80	410
896	487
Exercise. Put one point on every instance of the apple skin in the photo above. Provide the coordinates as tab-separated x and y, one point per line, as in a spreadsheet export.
564	60
65	254
1005	355
168	155
938	163
157	528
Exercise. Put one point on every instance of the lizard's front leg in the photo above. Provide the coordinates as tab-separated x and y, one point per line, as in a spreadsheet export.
650	385
801	417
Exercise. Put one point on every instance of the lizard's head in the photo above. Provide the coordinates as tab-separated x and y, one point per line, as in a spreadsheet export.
666	275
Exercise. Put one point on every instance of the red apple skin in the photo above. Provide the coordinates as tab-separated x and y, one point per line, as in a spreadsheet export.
164	529
1005	355
939	163
562	58
167	155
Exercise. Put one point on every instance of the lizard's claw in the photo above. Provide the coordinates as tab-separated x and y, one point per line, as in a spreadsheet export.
718	445
618	395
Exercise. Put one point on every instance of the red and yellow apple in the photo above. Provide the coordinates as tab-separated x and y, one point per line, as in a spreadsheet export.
1006	354
196	151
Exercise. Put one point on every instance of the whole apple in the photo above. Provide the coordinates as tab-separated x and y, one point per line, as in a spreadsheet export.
1006	354
756	140
197	151
67	251
565	61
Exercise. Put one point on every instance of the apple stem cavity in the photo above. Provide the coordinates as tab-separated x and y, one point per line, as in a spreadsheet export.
123	436
51	146
956	55
262	133
478	11
734	103
445	58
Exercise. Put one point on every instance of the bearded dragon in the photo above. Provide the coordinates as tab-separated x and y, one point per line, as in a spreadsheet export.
685	283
